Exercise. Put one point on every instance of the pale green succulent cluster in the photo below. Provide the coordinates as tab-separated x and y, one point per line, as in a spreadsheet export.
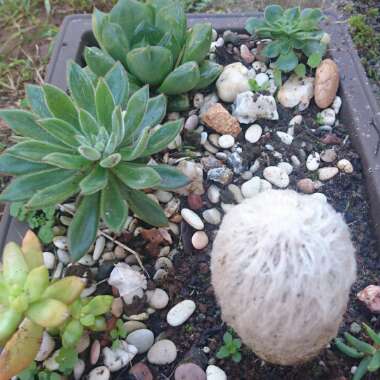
153	43
93	145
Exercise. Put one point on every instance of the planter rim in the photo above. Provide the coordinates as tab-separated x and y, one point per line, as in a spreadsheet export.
360	111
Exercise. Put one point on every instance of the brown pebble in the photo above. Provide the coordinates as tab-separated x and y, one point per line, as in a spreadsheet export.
331	139
194	201
95	352
189	371
326	83
370	296
306	185
140	371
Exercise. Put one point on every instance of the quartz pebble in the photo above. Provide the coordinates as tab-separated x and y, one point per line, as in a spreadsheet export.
345	166
253	133
212	216
199	240
286	167
313	161
226	141
99	373
158	299
162	352
49	260
189	371
276	176
296	91
327	116
285	137
328	155
180	313
215	373
252	187
192	218
142	339
213	194
327	173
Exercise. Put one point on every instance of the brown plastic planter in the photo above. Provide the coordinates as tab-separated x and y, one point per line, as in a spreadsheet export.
360	112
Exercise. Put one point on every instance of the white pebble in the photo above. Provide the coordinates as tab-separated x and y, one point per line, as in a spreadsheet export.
259	66
212	216
49	260
276	176
251	187
142	339
215	373
255	167
253	133
46	348
158	299
345	166
286	167
337	104
180	313
295	161
328	155
162	352
199	240
265	185
213	194
327	173
327	116
285	137
163	196
79	368
58	272
99	373
236	192
226	141
261	79
99	247
312	162
297	120
192	218
60	242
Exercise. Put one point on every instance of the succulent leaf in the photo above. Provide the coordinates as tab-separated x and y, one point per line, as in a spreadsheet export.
105	104
32	250
15	267
155	112
100	324
150	64
145	208
374	364
138	149
36	99
95	181
117	80
20	350
66	161
16	166
89	153
209	72
362	368
198	43
48	312
66	290
137	176
84	226
98	305
113	208
99	19
61	131
110	161
88	124
72	333
182	79
36	283
98	61
359	345
171	178
115	42
9	320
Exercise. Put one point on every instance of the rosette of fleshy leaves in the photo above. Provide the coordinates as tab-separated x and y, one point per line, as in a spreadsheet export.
93	145
153	43
29	303
292	32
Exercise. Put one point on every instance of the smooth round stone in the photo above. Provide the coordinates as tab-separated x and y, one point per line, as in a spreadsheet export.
60	242
212	216
215	373
180	313
49	260
252	187
328	155
192	218
276	176
63	256
337	104
164	196
79	368
99	373
191	122
117	307
261	79
312	162
253	133
327	173
142	339
199	240
255	166
140	371
46	348
236	192
189	371
288	168
157	298
286	138
99	247
162	352
306	185
95	352
226	141
327	116
247	175
131	326
213	194
345	166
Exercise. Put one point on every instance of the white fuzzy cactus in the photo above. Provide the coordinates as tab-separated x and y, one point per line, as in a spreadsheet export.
282	266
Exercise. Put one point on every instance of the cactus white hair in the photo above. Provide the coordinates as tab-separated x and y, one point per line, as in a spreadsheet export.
282	266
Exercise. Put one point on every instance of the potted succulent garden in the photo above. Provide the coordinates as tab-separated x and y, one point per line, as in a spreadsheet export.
191	180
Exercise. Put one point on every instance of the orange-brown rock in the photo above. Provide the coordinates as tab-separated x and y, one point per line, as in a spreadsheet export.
221	121
326	83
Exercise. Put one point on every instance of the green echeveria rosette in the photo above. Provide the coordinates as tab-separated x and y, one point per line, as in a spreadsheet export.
292	32
153	43
94	145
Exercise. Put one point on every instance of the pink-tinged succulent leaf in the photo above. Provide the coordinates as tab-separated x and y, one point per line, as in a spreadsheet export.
32	250
48	313
66	290
20	350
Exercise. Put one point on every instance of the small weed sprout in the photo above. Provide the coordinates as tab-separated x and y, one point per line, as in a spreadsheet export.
230	348
118	333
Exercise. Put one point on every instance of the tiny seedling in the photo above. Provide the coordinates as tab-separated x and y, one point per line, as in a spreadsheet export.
66	359
359	349
255	87
118	333
230	348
